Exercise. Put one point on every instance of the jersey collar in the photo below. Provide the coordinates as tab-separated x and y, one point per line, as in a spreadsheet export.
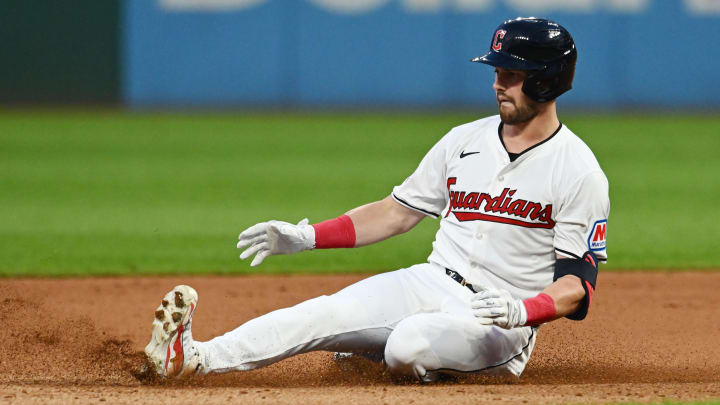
515	156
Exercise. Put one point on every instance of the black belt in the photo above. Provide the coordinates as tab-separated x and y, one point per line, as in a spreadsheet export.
460	279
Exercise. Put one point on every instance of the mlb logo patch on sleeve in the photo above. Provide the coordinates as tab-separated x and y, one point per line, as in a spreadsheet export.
598	234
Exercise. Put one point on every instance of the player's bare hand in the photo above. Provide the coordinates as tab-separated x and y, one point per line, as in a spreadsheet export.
498	307
275	238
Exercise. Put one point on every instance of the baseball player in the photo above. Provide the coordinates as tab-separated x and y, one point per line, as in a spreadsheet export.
523	207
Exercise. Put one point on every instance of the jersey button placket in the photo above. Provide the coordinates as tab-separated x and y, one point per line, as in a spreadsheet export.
480	232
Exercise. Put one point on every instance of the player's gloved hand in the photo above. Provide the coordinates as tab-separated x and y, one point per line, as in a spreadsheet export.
275	238
497	307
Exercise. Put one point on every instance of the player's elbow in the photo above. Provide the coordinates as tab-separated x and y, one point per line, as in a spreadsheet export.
577	295
574	289
404	219
403	225
572	294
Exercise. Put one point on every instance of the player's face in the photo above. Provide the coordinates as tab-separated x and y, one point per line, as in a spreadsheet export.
515	107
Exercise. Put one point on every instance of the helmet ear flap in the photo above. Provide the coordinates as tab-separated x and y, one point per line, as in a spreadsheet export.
538	85
546	85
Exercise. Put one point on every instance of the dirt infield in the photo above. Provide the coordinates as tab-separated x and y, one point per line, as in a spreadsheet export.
649	337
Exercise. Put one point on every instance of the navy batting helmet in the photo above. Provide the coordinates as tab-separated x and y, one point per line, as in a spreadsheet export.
542	47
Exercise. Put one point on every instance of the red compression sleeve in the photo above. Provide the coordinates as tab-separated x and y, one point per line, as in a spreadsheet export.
539	309
335	233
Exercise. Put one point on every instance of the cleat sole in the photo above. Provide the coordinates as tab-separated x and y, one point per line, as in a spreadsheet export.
178	306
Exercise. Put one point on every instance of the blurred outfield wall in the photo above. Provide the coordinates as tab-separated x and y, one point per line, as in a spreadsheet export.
60	52
645	53
656	53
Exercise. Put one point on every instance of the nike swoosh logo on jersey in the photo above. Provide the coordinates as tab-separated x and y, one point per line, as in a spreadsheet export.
463	154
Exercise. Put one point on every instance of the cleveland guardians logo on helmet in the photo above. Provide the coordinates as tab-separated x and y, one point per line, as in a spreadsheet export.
497	42
542	47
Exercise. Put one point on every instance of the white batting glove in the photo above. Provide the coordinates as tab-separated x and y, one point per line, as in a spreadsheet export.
275	238
497	307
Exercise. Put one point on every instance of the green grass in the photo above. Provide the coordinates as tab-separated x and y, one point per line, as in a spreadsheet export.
117	193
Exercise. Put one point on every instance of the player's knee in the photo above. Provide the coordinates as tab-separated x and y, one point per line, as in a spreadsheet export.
407	352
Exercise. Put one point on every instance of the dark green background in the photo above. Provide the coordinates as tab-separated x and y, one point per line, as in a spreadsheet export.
59	52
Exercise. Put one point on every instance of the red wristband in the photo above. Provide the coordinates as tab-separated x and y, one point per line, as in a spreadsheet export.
335	233
539	309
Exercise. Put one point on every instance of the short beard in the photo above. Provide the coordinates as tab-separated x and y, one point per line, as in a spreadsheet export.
520	114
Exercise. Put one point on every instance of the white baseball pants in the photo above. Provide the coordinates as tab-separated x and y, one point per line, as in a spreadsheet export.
418	319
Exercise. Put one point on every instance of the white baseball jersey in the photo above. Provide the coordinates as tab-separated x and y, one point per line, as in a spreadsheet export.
502	222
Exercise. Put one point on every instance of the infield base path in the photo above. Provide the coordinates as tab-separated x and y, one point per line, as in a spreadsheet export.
649	337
